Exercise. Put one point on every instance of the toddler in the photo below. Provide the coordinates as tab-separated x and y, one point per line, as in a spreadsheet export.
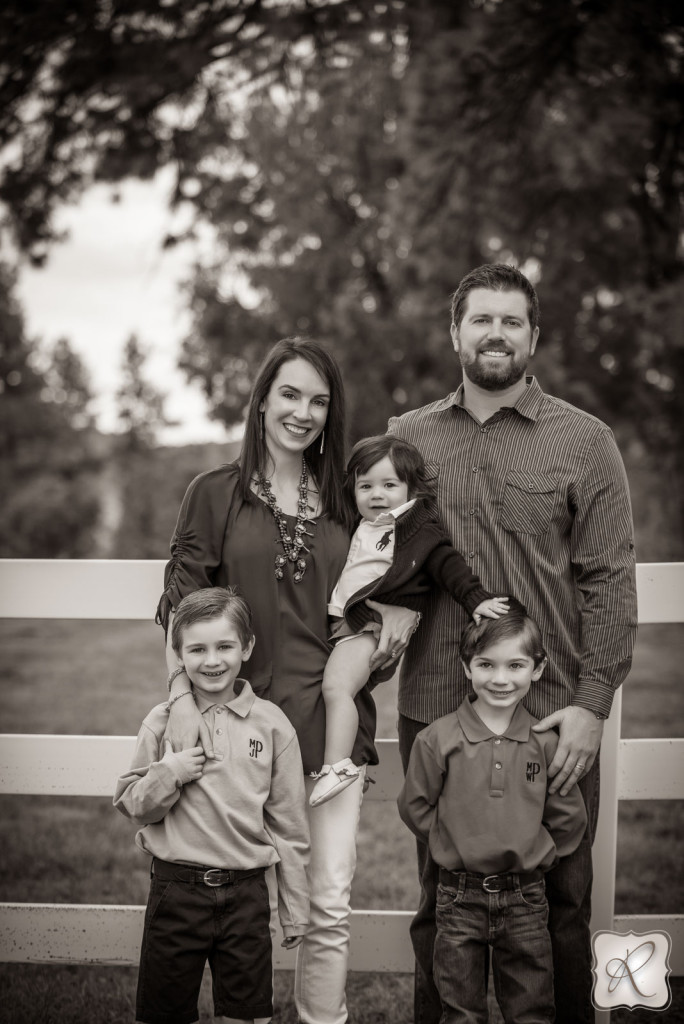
397	554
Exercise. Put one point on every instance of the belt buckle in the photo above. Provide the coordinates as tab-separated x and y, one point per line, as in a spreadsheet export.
210	882
489	881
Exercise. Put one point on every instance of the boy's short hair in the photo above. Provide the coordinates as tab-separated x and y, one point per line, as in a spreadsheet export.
212	603
408	463
476	638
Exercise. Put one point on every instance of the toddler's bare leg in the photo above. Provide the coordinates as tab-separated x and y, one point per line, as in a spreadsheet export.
346	673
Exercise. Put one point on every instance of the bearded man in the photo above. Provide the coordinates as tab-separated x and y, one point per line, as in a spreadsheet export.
533	492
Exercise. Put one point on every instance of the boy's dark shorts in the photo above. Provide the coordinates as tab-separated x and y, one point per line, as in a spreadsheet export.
188	922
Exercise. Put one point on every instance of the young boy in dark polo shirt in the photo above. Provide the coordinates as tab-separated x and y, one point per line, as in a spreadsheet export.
476	792
213	827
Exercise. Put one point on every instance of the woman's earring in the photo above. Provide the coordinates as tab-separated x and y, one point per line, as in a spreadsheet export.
322	441
262	426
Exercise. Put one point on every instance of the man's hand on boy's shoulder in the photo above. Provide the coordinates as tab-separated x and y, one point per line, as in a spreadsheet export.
186	765
291	941
580	739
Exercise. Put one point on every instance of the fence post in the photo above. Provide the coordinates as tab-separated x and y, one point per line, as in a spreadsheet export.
605	842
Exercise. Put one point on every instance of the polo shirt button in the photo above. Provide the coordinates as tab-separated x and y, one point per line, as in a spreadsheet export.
497	742
219	711
219	732
483	430
498	765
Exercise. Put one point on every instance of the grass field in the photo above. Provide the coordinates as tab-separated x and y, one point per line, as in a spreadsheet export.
101	678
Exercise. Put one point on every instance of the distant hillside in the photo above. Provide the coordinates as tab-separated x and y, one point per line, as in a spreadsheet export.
141	494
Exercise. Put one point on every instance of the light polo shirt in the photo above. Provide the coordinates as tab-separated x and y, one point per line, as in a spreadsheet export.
247	810
370	555
481	800
536	500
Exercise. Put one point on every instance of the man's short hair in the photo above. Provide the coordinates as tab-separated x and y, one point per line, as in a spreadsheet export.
212	603
476	638
498	277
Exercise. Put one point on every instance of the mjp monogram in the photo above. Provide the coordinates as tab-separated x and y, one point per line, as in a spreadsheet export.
255	748
533	769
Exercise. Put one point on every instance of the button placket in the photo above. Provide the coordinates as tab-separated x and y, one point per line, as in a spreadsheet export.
498	772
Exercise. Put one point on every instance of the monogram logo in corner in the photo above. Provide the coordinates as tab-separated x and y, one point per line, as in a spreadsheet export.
533	769
255	748
631	969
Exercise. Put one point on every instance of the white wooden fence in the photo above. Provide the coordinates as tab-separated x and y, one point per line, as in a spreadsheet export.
641	769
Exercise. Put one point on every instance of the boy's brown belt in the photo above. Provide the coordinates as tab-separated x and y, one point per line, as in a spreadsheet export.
199	875
490	883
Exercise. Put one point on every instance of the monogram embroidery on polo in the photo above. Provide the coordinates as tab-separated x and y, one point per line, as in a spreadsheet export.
533	769
255	748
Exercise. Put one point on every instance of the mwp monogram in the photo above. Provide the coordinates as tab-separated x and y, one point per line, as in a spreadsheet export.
533	769
255	748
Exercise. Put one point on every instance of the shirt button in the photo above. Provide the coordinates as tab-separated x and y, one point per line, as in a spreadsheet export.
219	710
498	765
219	732
476	469
483	430
473	512
497	742
471	555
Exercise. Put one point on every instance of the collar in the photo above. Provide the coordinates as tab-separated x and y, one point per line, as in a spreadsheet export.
241	704
528	405
392	513
475	730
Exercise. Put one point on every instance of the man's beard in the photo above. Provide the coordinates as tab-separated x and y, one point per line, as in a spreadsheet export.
494	375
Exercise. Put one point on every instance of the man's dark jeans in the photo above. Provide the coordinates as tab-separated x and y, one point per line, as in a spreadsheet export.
568	891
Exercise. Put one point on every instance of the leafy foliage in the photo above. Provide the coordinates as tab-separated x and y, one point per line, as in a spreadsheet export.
47	460
352	160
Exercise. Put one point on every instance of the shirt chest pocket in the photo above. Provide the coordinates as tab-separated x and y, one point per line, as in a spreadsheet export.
528	502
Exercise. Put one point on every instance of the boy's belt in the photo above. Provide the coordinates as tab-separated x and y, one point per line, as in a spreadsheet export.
200	875
490	883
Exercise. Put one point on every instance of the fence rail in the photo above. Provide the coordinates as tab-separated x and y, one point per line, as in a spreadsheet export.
641	769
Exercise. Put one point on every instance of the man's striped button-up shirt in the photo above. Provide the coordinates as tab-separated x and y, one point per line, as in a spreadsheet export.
536	500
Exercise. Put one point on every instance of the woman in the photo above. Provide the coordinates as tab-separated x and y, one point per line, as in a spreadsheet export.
274	524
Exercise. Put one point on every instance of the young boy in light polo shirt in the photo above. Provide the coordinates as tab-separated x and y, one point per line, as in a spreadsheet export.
213	827
476	792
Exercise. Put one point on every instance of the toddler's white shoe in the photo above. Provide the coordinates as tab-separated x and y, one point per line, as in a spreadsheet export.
332	779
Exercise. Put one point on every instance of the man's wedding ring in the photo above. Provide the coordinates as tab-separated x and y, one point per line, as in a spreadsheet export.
579	767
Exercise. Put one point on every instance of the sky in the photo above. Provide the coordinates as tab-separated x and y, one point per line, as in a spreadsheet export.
110	279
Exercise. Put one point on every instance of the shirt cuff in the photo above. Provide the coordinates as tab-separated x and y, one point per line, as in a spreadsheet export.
594	696
291	930
475	597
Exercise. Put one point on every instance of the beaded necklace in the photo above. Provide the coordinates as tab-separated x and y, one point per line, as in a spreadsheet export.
293	548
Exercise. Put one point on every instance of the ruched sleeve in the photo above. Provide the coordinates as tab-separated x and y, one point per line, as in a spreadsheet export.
197	542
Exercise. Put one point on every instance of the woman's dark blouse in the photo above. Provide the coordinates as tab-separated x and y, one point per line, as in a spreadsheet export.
220	540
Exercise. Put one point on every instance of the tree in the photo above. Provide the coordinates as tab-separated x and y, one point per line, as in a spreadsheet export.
354	159
140	403
50	506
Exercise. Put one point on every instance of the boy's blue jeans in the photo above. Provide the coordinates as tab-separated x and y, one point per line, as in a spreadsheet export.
514	923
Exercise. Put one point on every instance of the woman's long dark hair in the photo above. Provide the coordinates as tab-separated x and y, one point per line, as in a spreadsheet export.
327	468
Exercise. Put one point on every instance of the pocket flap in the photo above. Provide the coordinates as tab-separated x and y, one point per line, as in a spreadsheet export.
532	483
